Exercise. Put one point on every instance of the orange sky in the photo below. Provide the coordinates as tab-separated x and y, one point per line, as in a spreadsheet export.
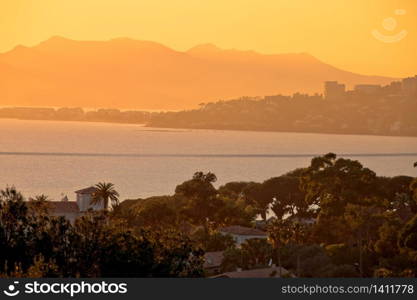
335	31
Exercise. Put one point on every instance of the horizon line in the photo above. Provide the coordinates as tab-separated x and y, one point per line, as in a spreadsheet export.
203	155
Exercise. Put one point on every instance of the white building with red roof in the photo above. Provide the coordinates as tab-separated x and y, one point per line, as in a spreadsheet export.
71	210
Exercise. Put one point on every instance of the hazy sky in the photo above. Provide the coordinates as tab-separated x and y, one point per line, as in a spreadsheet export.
335	31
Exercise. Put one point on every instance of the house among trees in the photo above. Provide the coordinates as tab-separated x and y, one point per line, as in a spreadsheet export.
71	210
240	233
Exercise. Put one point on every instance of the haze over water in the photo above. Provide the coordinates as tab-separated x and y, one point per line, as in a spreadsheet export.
60	157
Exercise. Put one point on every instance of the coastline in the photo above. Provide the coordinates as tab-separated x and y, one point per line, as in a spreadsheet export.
332	132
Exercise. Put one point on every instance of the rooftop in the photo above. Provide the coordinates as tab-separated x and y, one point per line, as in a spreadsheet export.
241	230
59	207
90	190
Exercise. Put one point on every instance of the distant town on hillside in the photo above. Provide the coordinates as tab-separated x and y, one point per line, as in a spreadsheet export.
367	109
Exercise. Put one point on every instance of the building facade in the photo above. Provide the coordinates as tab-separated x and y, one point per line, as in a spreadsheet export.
71	210
334	90
409	86
85	197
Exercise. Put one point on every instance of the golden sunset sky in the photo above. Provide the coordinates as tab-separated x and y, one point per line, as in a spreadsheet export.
337	32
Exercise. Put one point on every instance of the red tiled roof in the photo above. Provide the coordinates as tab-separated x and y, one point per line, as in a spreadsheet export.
90	190
240	230
213	259
256	273
59	207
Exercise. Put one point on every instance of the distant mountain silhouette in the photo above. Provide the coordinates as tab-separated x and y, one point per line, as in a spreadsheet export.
126	73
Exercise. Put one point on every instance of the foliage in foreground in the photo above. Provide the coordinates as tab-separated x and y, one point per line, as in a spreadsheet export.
33	244
334	218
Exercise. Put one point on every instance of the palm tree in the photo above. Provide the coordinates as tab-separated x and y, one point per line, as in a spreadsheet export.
105	192
40	198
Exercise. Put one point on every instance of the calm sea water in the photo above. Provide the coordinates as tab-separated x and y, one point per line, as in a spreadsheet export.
57	158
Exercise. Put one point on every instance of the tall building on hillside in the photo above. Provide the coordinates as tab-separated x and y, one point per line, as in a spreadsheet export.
334	90
409	86
394	88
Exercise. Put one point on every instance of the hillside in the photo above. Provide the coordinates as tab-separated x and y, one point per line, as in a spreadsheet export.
126	73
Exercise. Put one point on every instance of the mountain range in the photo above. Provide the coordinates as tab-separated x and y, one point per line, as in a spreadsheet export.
133	74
